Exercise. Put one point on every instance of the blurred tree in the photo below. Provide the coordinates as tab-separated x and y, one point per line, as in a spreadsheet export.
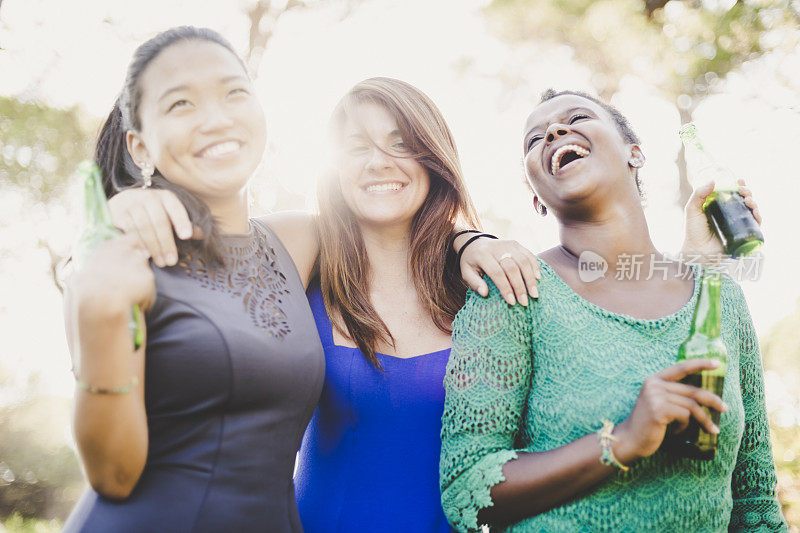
781	353
264	14
40	147
682	47
39	473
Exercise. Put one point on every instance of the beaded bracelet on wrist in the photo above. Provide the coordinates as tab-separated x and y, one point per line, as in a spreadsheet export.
91	389
606	438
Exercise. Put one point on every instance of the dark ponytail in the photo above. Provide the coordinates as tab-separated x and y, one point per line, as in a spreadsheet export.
118	168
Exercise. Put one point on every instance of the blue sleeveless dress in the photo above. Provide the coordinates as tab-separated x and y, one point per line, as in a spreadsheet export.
369	460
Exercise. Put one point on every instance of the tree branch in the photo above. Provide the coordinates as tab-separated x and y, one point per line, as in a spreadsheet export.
651	5
56	261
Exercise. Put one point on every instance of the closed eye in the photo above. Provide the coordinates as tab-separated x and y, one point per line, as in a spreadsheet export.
576	118
533	140
238	90
358	149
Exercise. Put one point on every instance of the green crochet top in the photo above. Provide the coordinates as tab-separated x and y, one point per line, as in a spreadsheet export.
533	379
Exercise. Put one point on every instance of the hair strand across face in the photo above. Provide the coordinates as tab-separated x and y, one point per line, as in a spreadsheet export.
343	263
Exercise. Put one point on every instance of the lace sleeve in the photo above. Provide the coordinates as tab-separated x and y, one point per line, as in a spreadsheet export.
486	384
755	505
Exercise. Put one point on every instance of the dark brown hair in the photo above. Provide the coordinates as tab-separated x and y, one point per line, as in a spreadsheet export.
111	154
343	263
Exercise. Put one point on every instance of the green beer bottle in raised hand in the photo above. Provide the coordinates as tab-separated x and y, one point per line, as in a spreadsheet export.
731	219
703	342
98	228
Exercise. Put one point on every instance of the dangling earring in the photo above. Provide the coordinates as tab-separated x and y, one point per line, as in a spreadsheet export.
635	163
147	175
640	187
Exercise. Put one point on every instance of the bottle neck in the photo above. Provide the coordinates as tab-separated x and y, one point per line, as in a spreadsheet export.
95	202
707	313
701	165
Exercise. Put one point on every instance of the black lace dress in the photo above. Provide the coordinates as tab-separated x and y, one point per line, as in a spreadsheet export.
234	369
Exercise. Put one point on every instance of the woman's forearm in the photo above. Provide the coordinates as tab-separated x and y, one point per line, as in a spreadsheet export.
538	481
110	429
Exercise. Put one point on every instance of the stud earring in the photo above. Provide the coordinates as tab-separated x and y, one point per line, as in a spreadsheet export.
635	163
540	208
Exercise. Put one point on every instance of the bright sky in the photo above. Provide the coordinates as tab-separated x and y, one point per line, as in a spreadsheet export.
65	53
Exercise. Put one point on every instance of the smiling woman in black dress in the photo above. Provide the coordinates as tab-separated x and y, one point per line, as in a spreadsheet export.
197	430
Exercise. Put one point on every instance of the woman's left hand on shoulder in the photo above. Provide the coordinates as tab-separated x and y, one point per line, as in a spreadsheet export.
700	242
511	266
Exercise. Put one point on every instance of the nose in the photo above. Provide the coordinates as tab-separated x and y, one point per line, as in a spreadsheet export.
556	131
378	160
215	118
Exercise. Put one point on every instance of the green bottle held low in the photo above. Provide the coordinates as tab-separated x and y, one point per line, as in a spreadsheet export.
98	228
703	342
725	209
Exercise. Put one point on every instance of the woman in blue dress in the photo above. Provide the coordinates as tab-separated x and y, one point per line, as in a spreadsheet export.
370	453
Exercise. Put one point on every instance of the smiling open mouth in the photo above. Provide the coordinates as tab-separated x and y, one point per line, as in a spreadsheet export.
566	155
385	187
221	150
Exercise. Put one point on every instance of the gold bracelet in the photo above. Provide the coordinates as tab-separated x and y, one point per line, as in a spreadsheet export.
605	437
125	389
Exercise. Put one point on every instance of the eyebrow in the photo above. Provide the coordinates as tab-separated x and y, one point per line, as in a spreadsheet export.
185	87
360	134
567	112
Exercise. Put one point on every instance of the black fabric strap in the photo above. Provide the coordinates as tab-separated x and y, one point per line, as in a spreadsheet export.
470	241
459	234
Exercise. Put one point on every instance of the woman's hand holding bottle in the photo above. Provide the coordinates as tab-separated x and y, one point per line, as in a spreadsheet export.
664	405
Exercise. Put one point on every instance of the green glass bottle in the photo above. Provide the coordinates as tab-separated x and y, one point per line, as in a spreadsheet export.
703	342
725	209
99	228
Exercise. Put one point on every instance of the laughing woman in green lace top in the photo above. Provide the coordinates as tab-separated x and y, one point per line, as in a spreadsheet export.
528	389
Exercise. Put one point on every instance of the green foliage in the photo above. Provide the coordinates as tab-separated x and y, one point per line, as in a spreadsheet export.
40	146
39	473
683	48
16	523
781	353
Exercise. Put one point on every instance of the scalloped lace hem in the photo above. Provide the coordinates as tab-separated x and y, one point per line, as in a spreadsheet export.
470	492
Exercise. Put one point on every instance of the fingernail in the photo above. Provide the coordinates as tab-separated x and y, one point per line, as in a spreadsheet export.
714	363
523	299
538	275
724	407
714	429
534	292
510	299
159	262
172	259
185	233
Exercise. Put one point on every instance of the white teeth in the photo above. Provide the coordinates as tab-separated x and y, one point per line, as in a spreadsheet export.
555	161
385	187
221	149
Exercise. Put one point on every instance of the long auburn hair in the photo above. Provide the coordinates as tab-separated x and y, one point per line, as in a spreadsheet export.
343	264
